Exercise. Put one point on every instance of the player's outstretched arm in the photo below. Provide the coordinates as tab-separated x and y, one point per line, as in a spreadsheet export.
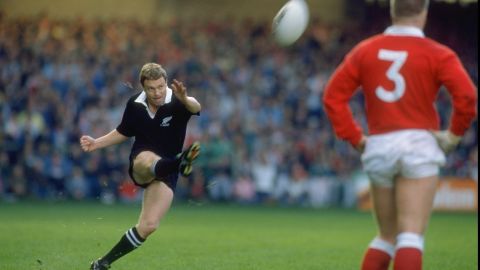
89	144
180	91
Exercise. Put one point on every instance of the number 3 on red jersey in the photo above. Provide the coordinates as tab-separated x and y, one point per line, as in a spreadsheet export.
397	58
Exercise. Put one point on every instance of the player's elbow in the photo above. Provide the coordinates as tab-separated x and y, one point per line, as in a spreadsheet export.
474	101
193	105
326	99
328	103
197	108
470	101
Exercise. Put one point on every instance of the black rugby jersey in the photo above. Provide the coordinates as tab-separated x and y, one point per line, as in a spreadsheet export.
162	133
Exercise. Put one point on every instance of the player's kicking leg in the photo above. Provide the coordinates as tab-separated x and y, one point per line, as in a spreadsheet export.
152	166
187	157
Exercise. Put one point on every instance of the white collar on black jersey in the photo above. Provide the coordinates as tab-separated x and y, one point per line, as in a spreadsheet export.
142	99
401	30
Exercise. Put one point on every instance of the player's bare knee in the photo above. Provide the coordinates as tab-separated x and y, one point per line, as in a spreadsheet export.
145	159
146	228
142	178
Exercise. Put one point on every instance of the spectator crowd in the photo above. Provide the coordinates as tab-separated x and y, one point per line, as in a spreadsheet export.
264	134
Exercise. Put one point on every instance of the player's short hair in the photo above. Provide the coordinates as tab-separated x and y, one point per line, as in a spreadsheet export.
152	71
407	8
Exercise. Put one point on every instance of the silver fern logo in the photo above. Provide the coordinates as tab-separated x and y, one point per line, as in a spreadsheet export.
166	121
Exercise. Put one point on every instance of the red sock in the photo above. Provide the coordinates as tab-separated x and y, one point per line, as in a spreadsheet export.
408	258
376	259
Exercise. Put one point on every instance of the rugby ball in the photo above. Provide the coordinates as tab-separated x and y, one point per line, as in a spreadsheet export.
290	22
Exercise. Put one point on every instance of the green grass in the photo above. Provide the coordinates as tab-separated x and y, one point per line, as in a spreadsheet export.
61	236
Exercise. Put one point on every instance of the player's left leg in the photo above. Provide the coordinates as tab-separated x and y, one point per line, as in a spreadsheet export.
381	249
414	205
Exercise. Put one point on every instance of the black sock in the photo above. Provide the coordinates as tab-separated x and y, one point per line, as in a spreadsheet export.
165	167
129	241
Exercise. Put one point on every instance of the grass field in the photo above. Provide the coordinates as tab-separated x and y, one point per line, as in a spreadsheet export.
60	236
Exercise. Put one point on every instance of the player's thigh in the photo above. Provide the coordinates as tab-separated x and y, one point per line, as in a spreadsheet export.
142	164
416	185
385	211
414	200
157	199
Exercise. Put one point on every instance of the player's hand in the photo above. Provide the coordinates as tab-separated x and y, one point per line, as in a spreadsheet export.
446	139
179	90
361	145
87	143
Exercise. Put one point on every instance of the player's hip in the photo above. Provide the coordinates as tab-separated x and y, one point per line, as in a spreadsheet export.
413	153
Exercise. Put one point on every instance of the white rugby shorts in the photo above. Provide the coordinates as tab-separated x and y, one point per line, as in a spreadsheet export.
411	153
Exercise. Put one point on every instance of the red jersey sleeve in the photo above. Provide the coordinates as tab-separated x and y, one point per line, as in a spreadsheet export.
338	92
463	92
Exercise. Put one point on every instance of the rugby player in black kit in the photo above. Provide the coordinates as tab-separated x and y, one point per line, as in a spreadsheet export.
157	117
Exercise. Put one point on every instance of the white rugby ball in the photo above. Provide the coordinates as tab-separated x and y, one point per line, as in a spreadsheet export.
290	22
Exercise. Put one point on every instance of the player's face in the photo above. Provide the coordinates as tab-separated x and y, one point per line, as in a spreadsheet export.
155	91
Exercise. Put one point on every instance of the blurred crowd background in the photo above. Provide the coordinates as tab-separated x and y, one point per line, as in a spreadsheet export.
265	137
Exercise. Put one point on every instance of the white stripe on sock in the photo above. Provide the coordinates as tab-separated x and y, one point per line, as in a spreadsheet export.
411	240
131	241
380	244
134	238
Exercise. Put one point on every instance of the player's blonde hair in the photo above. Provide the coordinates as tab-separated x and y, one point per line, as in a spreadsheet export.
152	71
407	8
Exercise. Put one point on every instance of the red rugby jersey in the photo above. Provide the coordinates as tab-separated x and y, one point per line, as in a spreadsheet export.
400	73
